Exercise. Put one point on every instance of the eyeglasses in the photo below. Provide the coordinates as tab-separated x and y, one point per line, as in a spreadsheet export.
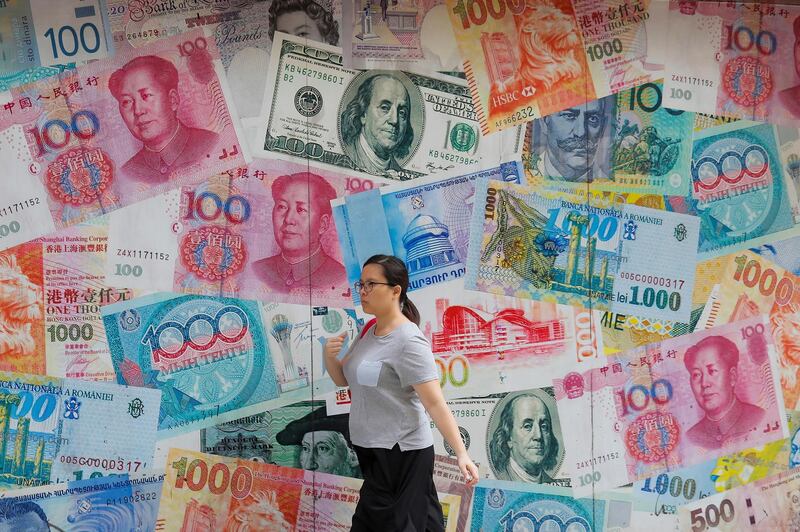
368	286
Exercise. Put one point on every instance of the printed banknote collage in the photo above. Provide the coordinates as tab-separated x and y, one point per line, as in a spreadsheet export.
597	202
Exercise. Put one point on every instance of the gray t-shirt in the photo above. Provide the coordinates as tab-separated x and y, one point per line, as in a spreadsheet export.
381	370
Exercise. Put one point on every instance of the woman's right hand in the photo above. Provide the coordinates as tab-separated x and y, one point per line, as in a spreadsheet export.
334	345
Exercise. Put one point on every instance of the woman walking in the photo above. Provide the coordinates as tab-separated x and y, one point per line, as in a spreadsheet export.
393	380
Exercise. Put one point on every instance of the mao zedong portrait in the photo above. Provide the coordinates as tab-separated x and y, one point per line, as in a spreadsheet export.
300	217
324	443
376	125
712	366
146	90
524	447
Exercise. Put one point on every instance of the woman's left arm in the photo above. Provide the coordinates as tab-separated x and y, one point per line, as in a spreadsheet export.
430	393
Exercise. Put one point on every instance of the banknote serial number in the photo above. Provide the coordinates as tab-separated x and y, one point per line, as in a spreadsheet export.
469	412
142	254
522	115
654	280
307	72
19	206
691	80
596	460
135	498
109	464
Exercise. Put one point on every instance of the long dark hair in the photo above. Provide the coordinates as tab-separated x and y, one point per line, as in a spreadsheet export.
396	273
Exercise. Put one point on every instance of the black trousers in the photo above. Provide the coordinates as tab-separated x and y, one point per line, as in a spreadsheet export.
398	494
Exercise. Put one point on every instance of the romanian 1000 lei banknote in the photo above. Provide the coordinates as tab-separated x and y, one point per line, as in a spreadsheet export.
511	506
752	285
388	123
425	223
57	430
671	405
625	142
525	60
236	494
734	59
738	188
217	359
764	506
112	133
242	29
541	244
122	502
264	232
42	33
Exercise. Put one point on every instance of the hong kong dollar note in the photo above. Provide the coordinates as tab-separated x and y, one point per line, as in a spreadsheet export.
388	123
577	250
217	358
112	133
673	404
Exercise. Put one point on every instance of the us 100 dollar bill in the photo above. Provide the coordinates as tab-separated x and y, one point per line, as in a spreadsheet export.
388	123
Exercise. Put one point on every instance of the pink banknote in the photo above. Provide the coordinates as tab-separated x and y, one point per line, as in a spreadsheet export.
117	131
265	232
672	404
734	59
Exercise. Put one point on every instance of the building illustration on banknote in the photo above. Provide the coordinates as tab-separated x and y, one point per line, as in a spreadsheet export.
20	469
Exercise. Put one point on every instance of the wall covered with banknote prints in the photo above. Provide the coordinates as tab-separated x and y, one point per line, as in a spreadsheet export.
596	201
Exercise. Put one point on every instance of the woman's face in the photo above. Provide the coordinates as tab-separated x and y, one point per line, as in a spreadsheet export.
382	297
300	24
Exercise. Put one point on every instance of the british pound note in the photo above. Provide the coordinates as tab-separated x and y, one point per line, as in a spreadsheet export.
56	430
671	405
738	188
270	497
525	60
501	505
389	123
242	29
625	142
114	132
516	435
218	359
123	502
265	231
752	285
41	33
764	506
734	59
425	223
536	243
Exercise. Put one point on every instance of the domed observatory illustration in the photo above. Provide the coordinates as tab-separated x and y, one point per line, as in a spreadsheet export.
430	257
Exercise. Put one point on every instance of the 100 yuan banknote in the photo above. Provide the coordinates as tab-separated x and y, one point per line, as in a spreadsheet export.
123	502
516	435
734	59
387	123
533	243
243	31
501	505
264	231
625	142
525	60
57	430
112	133
751	285
671	405
738	188
218	359
41	33
425	223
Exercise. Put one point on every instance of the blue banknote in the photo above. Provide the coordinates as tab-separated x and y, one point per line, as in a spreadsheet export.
501	506
29	75
739	190
425	222
551	245
109	504
217	359
56	430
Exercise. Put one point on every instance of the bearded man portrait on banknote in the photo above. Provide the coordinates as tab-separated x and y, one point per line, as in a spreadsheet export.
712	366
375	125
146	89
